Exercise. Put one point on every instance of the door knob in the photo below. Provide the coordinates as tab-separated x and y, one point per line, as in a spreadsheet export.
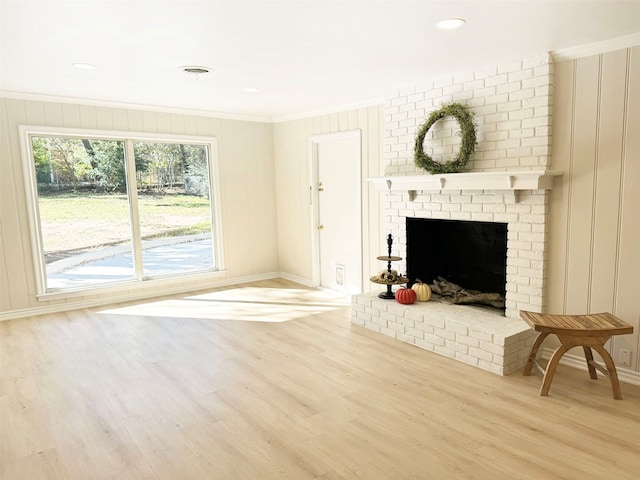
320	227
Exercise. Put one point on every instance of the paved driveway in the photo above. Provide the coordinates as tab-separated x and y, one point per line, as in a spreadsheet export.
160	257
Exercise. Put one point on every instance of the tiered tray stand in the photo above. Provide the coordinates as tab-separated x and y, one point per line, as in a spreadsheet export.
401	280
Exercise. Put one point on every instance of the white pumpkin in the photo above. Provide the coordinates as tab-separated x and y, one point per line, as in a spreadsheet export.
423	291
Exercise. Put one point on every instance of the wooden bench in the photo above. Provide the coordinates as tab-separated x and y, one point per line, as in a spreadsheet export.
586	331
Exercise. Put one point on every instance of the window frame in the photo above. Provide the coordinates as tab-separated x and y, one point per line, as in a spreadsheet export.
27	132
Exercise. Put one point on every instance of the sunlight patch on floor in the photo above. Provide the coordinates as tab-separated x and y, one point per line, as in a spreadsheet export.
247	304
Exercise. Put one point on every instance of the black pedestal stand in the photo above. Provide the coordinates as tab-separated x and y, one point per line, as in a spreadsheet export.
389	295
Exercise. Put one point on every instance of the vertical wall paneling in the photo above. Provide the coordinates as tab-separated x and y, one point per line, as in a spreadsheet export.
7	217
594	229
361	119
628	291
53	114
149	122
226	172
264	250
177	124
582	183
17	246
300	152
88	116
190	124
104	118
233	185
604	249
353	119
334	124
70	115
5	284
203	127
35	113
163	121
343	121
246	176
120	120
134	121
376	243
259	178
326	124
561	156
283	192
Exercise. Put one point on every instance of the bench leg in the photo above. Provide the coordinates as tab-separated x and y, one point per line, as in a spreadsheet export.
588	355
551	368
534	351
611	368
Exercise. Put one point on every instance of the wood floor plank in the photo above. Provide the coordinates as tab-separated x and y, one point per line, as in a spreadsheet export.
270	380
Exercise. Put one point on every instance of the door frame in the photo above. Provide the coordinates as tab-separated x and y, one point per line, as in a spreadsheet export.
314	200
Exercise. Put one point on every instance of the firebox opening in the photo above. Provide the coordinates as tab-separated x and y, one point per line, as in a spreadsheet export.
470	254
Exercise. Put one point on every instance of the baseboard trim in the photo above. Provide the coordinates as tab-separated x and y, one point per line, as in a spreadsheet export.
140	295
293	278
576	361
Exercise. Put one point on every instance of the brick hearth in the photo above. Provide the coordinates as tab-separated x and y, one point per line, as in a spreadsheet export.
473	335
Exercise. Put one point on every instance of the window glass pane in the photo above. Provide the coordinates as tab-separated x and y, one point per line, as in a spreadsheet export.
174	207
84	211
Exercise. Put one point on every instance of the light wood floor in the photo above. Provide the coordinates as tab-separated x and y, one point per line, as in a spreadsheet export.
271	381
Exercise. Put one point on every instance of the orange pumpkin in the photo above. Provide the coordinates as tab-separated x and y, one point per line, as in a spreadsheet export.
405	296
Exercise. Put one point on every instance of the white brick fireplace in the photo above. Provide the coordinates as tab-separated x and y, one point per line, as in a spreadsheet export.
512	107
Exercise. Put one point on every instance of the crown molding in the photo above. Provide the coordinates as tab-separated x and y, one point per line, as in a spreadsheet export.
185	111
133	106
597	48
337	109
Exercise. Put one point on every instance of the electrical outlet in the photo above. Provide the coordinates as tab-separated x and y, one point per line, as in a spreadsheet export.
625	357
340	274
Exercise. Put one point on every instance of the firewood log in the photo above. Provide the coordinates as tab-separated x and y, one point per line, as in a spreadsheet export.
455	294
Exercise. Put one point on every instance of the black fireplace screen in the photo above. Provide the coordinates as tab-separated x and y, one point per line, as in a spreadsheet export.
470	254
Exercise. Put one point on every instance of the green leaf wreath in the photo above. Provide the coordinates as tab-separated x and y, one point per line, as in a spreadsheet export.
467	147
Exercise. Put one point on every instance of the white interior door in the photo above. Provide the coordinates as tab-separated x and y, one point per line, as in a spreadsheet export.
338	245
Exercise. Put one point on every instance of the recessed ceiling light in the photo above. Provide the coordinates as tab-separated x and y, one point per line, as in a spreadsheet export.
195	70
250	90
451	23
84	66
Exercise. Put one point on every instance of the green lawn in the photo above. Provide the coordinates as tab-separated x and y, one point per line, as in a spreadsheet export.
69	206
77	221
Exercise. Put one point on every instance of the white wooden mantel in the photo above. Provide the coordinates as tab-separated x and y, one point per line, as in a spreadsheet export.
503	180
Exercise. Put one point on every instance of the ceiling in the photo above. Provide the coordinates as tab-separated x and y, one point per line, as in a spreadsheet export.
302	56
